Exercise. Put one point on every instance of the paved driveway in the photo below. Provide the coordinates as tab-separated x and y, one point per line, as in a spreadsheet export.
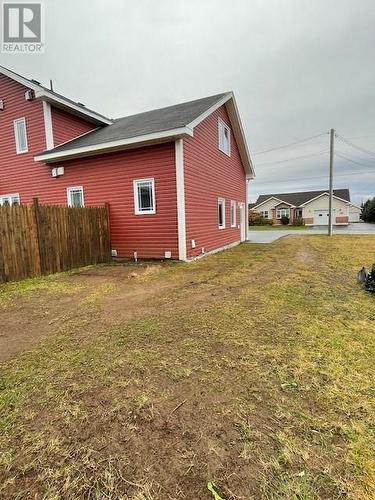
256	236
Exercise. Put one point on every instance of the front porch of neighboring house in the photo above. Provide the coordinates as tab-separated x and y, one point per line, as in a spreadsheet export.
282	210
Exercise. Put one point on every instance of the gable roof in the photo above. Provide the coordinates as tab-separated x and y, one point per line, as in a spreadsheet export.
155	126
56	99
300	198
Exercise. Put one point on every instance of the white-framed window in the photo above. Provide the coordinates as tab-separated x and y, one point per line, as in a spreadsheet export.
144	196
298	212
9	199
233	209
264	214
224	137
75	196
221	213
282	212
20	135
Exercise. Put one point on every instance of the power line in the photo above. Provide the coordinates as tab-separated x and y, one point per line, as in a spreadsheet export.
317	177
346	141
344	157
292	159
290	144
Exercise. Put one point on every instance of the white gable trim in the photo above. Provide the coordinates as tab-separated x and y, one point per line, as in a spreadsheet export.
272	198
324	194
115	145
60	101
237	129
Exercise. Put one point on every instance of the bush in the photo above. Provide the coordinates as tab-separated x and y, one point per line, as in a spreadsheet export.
368	211
255	219
284	220
298	221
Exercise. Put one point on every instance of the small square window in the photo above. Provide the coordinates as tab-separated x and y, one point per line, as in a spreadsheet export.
221	213
224	137
20	135
75	197
144	196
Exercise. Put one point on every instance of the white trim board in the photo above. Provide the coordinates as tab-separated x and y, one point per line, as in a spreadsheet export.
324	194
48	125
180	188
114	145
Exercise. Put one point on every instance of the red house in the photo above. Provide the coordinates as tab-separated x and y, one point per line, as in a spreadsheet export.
176	178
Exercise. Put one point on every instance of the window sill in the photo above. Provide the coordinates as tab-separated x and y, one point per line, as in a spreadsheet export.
145	213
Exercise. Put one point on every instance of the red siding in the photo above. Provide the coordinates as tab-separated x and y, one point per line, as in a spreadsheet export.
109	178
19	173
66	126
210	174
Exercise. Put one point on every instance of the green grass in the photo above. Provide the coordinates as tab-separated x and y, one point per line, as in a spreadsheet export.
253	368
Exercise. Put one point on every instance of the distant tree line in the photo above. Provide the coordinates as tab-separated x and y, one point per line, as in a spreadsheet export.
368	211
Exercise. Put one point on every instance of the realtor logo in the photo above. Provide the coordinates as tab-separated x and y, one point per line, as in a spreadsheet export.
22	28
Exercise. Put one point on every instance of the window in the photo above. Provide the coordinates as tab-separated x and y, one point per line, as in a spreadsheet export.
75	197
9	199
282	212
233	213
221	213
144	196
298	212
264	214
20	135
224	137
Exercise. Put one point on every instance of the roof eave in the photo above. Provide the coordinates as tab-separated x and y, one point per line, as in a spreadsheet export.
112	146
44	94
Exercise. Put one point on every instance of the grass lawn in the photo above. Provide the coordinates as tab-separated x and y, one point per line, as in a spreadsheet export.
253	369
277	227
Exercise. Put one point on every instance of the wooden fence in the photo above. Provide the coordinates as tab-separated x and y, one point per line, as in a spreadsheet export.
43	239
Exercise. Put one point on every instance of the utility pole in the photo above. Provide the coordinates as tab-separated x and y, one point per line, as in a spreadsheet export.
331	154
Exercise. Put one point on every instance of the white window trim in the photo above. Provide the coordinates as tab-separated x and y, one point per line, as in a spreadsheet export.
264	214
221	201
15	122
233	204
280	216
220	124
135	193
9	196
69	191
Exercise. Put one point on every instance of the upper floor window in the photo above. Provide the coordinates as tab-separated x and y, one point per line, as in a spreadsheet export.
144	196
75	197
221	213
20	135
9	199
224	137
282	212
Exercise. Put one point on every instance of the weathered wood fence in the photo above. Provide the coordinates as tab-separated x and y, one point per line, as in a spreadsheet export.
43	239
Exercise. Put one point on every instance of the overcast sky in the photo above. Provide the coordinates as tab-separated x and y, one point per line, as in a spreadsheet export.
297	68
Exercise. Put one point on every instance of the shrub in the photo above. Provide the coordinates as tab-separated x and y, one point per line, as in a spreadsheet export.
298	221
284	220
368	211
255	219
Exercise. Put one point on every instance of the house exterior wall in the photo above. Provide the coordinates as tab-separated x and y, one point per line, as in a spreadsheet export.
211	174
108	178
354	214
322	203
66	126
18	172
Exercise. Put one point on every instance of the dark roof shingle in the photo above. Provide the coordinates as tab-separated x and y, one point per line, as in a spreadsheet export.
298	199
157	120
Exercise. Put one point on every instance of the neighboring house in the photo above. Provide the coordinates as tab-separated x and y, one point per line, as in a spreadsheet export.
311	206
176	179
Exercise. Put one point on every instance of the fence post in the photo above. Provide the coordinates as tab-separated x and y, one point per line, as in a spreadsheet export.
109	230
36	214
